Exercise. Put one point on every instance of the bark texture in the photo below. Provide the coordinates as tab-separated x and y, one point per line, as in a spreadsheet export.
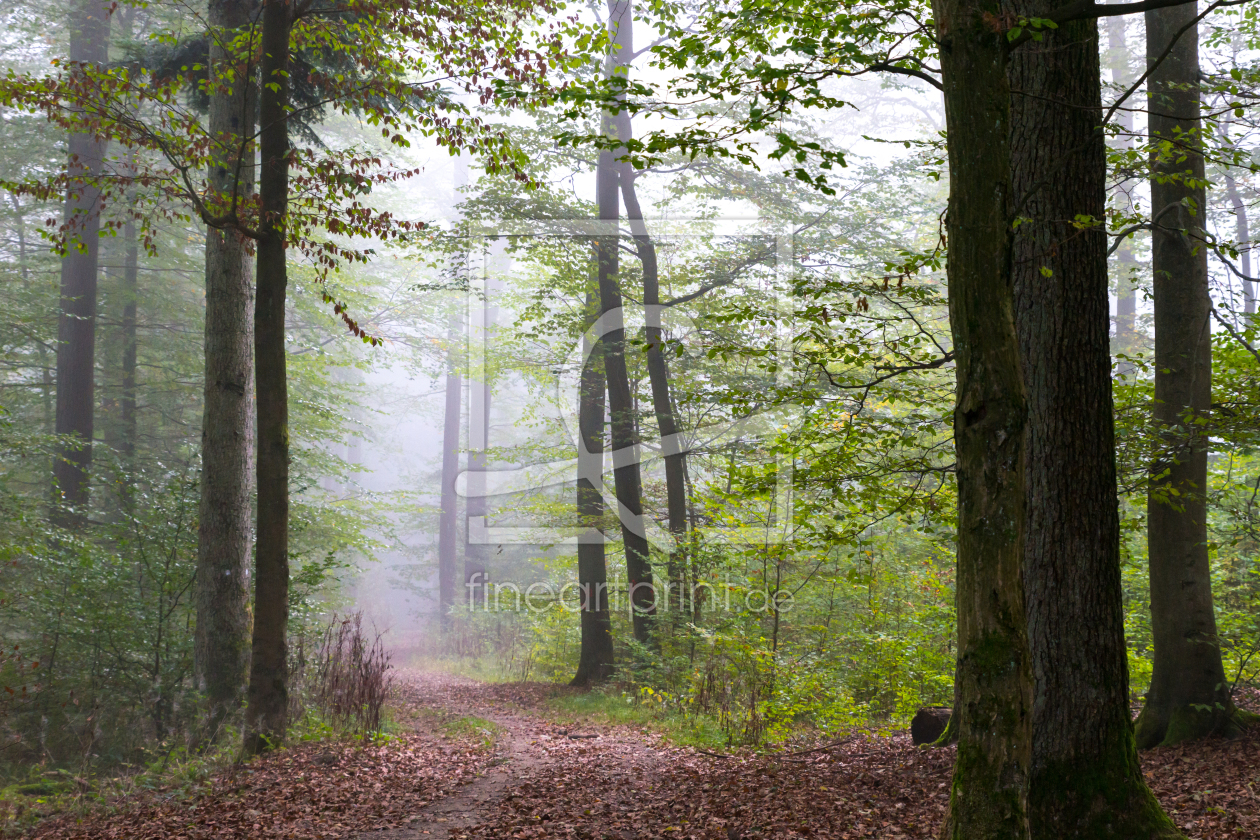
1189	696
595	661
993	690
76	324
266	716
1084	780
224	533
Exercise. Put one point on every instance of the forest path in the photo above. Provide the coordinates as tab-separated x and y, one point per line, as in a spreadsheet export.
530	750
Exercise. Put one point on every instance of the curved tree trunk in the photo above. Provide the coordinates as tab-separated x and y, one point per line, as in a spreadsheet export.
994	684
1189	696
1084	780
266	716
658	376
224	535
626	474
76	325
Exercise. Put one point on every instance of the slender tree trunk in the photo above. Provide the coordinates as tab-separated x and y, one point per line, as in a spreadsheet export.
1242	236
448	525
224	531
595	662
130	291
626	475
76	326
46	389
993	687
1084	780
658	376
267	712
1189	696
626	472
1126	289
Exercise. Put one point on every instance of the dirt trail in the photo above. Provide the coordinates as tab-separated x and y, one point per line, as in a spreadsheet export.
528	749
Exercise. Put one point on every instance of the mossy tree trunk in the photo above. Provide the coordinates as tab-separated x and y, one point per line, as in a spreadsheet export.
1084	780
988	799
1189	696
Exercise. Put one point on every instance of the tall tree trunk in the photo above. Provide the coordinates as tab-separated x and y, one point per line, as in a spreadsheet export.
1242	233
1126	289
76	326
1084	780
658	376
224	532
595	661
267	711
1189	696
130	291
626	474
448	525
46	383
993	683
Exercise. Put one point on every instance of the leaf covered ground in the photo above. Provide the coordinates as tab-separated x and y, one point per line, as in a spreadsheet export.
526	776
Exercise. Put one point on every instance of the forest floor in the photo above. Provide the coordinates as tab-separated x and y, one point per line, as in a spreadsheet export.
481	760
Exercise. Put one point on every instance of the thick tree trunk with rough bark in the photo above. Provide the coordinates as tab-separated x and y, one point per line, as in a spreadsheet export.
1084	780
595	661
992	711
1189	696
76	325
266	715
224	534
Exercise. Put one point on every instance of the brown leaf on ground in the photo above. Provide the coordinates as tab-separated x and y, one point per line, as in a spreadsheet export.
620	784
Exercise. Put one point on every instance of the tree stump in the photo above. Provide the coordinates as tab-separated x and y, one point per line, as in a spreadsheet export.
928	724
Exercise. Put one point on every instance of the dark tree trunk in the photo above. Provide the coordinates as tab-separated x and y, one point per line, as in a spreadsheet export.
1126	281
448	525
1189	696
224	533
1084	780
267	712
76	326
658	376
626	474
595	662
993	688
